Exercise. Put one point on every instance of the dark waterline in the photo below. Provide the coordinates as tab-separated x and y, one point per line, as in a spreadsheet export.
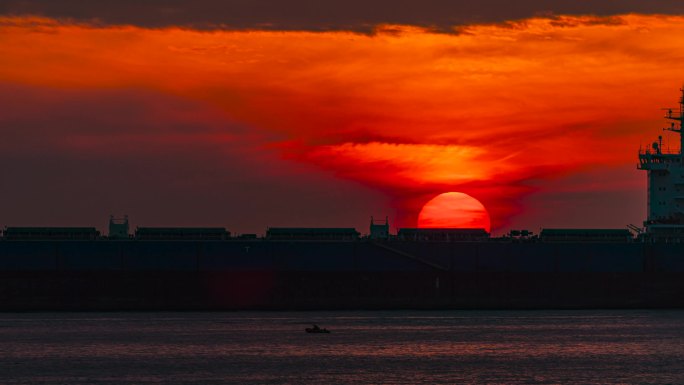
507	347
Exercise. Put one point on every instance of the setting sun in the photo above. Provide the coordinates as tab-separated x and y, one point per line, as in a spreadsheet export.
454	210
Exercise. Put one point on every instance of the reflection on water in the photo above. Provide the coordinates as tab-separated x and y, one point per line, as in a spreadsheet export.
365	347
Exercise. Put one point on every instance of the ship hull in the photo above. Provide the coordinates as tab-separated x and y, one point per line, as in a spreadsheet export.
236	275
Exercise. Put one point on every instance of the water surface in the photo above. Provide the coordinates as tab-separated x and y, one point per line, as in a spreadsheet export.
506	347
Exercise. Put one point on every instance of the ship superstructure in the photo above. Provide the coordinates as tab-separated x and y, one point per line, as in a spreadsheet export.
665	168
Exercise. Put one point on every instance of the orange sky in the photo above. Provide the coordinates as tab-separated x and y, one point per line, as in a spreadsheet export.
494	111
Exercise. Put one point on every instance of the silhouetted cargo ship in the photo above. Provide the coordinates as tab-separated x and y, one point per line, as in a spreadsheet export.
59	268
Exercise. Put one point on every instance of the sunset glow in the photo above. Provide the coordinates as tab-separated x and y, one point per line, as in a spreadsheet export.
454	210
492	110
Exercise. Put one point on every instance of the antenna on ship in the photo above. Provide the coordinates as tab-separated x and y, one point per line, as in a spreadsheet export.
678	118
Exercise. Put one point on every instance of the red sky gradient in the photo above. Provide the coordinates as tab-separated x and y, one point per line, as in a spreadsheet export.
538	119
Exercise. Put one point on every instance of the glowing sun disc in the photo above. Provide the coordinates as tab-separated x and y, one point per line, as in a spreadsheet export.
454	210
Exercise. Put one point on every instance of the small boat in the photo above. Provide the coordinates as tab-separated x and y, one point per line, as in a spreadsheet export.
316	329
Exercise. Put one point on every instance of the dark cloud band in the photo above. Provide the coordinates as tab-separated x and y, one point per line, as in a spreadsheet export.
358	15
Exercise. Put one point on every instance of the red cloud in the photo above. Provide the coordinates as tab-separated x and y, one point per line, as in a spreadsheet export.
490	111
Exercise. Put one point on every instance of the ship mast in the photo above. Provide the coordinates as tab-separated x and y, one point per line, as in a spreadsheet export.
679	118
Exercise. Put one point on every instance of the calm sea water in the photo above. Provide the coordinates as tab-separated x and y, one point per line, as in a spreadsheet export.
507	347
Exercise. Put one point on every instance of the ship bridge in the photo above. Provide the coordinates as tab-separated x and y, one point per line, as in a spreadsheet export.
665	168
658	159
